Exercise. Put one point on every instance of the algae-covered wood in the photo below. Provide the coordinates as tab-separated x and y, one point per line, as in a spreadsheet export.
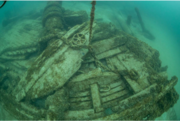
66	76
52	68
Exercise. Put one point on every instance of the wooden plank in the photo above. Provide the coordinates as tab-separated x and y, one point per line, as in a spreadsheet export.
108	53
80	94
20	110
127	101
168	87
104	45
80	99
114	96
115	102
134	85
143	82
25	113
30	108
100	109
116	84
82	82
95	95
82	114
115	63
81	105
110	64
134	98
85	76
116	89
108	44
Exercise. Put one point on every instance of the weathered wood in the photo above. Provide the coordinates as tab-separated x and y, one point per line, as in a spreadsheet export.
51	70
82	114
143	82
115	84
169	86
111	91
100	109
134	85
115	102
81	105
82	81
114	63
109	53
147	97
80	94
80	99
20	110
108	44
124	104
114	96
85	76
95	96
130	87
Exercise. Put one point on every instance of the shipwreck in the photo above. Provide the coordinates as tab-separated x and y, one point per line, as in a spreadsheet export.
81	70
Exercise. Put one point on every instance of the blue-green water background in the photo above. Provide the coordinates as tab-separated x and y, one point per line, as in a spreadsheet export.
165	14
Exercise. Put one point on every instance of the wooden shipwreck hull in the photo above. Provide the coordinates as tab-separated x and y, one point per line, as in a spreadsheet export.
113	76
93	99
128	88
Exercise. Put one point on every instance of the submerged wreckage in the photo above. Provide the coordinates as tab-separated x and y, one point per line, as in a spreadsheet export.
78	75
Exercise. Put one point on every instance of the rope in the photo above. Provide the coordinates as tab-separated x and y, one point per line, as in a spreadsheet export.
92	18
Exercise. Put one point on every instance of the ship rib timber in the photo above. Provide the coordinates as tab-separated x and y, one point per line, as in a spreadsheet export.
95	96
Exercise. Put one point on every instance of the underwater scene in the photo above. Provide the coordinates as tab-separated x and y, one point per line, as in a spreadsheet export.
89	60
